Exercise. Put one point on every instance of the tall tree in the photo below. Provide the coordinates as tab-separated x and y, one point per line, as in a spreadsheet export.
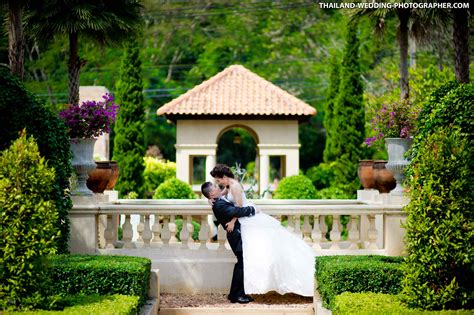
409	23
348	126
461	43
16	54
129	140
333	91
103	21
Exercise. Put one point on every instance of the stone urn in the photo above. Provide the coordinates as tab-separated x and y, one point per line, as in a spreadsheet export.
115	174
383	178
99	177
366	174
82	163
397	162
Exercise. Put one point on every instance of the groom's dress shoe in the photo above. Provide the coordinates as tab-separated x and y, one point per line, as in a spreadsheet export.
241	300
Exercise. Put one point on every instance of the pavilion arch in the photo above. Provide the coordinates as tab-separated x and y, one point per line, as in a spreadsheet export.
246	128
236	97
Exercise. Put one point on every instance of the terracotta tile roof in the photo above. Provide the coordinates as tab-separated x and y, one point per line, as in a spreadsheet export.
237	91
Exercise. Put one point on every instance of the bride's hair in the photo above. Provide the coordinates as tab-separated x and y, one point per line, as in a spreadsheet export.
221	170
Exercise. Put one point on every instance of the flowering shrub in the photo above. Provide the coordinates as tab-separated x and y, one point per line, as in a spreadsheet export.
393	120
90	119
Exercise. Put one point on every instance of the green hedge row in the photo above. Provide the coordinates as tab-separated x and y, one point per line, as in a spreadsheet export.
94	304
338	274
103	275
377	303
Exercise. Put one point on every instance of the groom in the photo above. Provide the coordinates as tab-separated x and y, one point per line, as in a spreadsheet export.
224	212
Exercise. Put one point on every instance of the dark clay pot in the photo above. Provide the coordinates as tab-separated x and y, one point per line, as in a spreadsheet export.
366	174
384	180
114	176
100	177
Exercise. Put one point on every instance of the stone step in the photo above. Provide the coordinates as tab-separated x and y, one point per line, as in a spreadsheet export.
265	304
236	311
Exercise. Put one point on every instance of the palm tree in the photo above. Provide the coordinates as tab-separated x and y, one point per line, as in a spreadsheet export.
411	23
103	21
16	55
461	43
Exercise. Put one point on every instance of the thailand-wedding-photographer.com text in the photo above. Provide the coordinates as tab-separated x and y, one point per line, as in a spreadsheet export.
393	5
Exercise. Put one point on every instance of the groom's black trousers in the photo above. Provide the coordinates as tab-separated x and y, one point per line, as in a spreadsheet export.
237	286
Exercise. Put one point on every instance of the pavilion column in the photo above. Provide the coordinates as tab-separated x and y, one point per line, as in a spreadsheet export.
264	174
210	163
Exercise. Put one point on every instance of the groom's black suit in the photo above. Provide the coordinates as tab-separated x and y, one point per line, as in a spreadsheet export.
224	212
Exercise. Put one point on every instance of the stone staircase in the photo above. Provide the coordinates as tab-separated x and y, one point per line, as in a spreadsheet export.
203	304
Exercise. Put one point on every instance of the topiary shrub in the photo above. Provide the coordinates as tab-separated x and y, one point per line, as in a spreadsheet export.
156	172
18	110
104	275
337	274
27	222
174	189
295	187
439	228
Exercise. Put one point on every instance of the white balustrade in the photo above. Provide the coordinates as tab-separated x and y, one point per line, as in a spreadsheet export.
305	218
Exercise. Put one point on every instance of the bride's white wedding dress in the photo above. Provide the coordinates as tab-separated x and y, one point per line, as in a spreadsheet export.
274	258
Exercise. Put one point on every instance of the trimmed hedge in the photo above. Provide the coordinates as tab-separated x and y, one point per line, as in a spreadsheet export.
378	303
174	188
93	304
338	274
295	187
103	275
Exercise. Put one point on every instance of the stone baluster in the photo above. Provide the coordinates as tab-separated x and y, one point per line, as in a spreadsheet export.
184	235
291	223
354	235
221	237
306	229
316	233
173	239
140	228
372	233
109	234
165	232
127	233
297	226
156	230
203	232
335	234
323	227
146	236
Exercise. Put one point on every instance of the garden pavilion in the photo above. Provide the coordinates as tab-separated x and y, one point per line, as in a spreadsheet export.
237	98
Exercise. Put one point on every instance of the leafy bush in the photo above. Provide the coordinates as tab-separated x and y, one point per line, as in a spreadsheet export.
82	274
92	304
19	109
337	274
439	228
378	303
322	176
27	222
174	189
295	187
157	171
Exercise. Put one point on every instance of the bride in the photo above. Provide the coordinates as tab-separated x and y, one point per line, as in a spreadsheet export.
274	258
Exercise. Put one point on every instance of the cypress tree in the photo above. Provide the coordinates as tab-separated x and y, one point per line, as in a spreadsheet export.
347	126
334	81
129	140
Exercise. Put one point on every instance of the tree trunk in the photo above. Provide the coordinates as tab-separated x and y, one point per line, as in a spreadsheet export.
16	53
403	16
74	68
461	44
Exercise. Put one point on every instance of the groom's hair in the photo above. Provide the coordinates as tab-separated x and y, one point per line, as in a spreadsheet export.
206	189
